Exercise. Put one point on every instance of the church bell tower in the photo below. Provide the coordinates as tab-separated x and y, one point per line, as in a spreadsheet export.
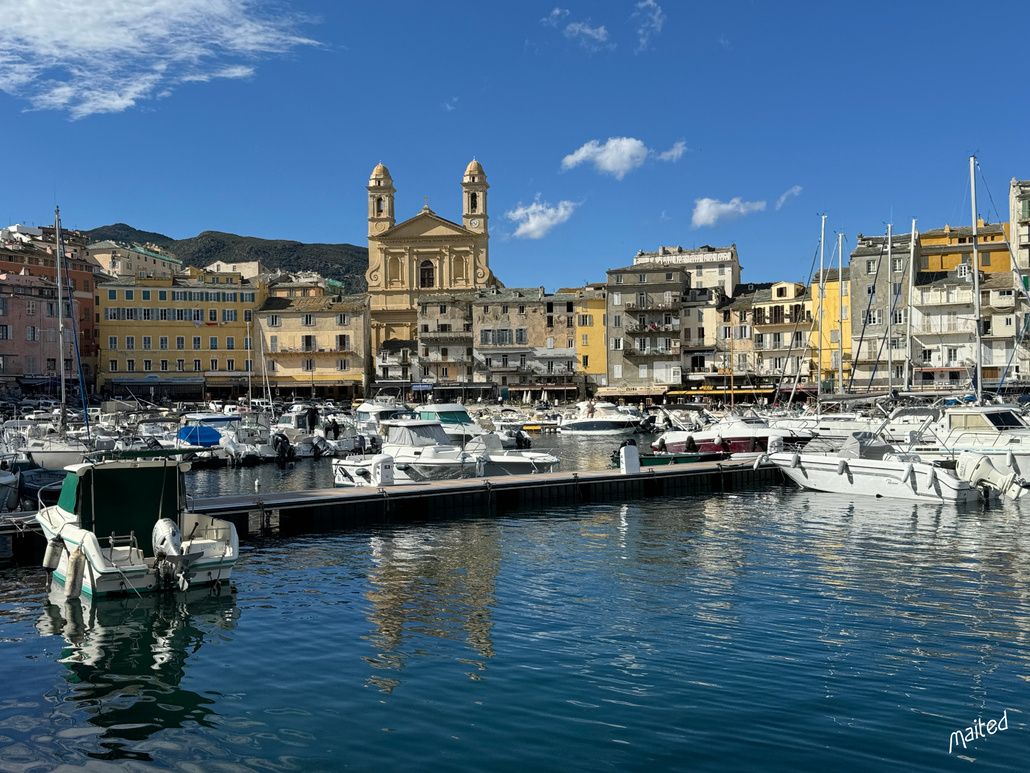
474	186
380	201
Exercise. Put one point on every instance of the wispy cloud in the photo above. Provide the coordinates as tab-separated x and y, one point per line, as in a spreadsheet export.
87	57
591	38
537	219
792	193
619	155
712	211
652	19
674	153
725	42
450	105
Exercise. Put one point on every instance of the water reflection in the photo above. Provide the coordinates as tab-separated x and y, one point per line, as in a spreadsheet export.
431	583
125	660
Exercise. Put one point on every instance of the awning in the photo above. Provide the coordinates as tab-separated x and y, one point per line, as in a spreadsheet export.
641	391
957	367
154	380
545	387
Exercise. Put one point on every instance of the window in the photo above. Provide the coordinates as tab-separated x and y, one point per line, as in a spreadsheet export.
113	366
130	342
504	309
308	320
343	364
668	277
147	365
585	341
985	259
616	344
146	342
273	343
214	364
196	365
426	274
274	320
212	342
308	365
898	265
834	336
616	320
112	295
196	342
230	364
180	365
443	308
112	342
230	342
343	319
228	315
870	266
130	365
248	315
521	335
248	344
522	309
212	315
617	370
641	278
616	299
618	279
343	342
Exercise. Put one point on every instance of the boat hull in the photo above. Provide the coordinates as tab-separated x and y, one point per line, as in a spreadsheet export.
895	479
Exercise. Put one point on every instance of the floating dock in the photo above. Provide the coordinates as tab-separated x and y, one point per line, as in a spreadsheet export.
299	512
320	510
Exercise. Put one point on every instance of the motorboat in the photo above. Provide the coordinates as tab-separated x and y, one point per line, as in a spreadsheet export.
742	436
497	460
364	471
458	425
422	451
664	459
369	414
603	418
97	532
869	467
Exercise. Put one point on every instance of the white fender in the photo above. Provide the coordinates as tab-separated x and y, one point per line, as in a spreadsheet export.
842	466
718	440
1010	460
762	459
909	469
76	569
795	460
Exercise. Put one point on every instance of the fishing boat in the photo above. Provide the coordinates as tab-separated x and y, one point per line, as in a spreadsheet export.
867	466
98	531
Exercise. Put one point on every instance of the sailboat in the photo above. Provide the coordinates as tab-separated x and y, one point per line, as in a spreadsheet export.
56	450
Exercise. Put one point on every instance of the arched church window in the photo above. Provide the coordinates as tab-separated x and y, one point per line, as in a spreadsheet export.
473	202
426	274
379	205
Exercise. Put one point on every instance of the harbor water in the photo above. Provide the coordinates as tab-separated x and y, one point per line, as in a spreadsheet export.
759	630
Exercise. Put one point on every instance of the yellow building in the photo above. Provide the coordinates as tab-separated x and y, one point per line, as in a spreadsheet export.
591	343
942	249
410	261
314	346
833	348
124	260
185	337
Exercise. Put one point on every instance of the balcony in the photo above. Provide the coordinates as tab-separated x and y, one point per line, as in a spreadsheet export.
633	327
653	305
429	336
632	351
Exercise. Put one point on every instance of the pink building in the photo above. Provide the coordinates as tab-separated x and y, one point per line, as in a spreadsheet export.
29	331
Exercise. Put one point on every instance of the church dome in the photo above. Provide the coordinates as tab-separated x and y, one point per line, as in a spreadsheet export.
380	173
475	168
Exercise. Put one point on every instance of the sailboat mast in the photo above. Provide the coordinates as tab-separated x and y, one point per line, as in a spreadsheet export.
977	355
60	312
910	369
822	299
890	310
840	312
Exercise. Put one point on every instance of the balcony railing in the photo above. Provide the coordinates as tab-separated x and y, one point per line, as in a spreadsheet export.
632	351
445	335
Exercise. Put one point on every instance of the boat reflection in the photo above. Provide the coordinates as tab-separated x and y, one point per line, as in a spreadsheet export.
126	657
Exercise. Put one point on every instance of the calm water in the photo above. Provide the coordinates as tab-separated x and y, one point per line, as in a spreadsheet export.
771	630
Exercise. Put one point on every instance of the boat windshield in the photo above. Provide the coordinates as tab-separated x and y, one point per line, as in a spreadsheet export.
418	435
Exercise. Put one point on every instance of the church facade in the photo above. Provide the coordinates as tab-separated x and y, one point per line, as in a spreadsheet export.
425	256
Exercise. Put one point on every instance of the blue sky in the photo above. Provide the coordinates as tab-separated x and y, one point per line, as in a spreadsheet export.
603	127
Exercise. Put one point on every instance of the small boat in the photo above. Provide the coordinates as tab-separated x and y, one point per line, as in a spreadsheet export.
422	451
869	467
659	459
362	471
741	436
457	424
97	532
494	459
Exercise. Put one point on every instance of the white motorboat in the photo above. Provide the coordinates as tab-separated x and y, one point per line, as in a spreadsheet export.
603	418
422	451
364	471
496	460
868	467
98	531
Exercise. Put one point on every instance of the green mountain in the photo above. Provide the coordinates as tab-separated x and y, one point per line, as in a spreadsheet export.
343	262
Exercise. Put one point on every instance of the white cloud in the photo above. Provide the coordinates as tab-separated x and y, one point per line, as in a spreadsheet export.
537	219
451	104
617	157
555	17
87	57
712	211
788	195
588	37
674	153
652	20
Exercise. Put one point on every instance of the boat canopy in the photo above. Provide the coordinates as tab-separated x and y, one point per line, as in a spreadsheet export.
417	433
122	498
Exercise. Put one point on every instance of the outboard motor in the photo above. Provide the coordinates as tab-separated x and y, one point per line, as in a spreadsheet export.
168	558
283	449
980	471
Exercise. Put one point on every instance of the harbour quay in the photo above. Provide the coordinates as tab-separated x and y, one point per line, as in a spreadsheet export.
316	510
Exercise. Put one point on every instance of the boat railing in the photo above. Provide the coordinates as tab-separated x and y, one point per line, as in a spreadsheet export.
127	540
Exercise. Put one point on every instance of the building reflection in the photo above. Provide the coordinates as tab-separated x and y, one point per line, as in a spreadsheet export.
431	587
126	657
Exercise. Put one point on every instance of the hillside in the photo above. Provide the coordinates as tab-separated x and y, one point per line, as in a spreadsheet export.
343	262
